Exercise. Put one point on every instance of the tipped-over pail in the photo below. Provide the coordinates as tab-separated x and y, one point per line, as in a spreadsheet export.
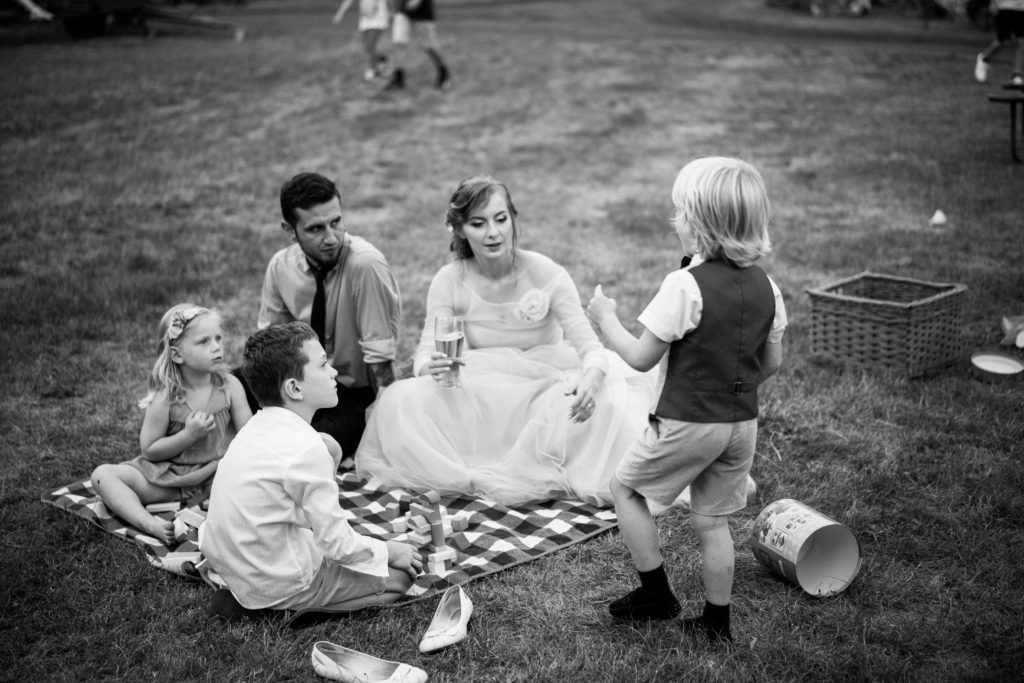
810	549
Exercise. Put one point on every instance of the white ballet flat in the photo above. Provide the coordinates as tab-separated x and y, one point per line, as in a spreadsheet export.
450	621
349	666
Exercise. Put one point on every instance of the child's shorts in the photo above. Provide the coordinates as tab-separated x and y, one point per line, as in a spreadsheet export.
374	15
713	459
333	586
1008	23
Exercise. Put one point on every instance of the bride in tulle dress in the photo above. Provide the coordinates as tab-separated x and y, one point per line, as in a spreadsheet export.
543	411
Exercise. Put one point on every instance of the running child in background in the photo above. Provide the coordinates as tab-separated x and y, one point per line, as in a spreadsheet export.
716	328
193	409
1009	25
416	16
374	20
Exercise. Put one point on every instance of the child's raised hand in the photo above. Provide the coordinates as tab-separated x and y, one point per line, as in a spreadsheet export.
199	423
600	305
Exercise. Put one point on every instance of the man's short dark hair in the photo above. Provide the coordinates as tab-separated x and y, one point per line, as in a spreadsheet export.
304	191
273	355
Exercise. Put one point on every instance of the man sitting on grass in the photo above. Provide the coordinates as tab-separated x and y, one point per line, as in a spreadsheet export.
275	532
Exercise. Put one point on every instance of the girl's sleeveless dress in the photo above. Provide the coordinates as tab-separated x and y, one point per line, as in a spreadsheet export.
505	434
195	466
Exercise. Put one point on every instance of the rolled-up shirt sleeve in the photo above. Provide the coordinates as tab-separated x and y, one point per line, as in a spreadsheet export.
272	307
378	308
310	482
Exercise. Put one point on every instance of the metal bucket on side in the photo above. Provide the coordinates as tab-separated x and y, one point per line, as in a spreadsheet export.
806	547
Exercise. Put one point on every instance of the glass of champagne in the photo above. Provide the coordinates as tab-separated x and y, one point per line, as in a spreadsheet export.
448	339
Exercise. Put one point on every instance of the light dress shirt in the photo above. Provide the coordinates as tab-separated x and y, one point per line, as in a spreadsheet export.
364	309
676	309
274	513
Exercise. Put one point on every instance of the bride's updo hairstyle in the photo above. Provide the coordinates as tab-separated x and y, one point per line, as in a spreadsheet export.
472	194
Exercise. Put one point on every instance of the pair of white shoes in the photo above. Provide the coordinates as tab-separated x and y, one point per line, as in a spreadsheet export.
449	626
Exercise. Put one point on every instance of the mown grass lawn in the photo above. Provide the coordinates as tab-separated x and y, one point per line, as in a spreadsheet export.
139	172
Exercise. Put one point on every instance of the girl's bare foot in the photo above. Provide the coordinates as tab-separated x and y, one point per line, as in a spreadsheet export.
160	529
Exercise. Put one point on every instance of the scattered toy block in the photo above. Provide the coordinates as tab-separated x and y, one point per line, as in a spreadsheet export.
459	523
156	508
433	497
418	523
191	516
417	539
181	530
440	561
391	511
421	510
398	525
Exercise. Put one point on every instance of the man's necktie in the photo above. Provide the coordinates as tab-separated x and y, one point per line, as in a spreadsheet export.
318	316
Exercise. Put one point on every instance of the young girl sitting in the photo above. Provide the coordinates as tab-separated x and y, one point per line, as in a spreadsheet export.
193	408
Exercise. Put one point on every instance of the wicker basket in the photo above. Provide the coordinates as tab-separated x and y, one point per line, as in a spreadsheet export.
907	326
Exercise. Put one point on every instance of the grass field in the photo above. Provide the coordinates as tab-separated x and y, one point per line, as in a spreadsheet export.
142	171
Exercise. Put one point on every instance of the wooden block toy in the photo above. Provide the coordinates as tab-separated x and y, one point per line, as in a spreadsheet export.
417	539
459	523
392	511
191	516
422	511
155	508
437	535
398	525
418	523
440	560
460	541
181	530
432	497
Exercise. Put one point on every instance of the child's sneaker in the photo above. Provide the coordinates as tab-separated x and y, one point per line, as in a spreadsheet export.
637	605
980	69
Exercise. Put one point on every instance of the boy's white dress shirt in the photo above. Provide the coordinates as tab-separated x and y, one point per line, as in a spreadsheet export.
274	513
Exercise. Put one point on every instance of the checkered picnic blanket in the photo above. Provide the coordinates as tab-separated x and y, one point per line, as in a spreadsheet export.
497	537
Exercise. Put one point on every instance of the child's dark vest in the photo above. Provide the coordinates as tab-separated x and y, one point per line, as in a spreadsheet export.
713	371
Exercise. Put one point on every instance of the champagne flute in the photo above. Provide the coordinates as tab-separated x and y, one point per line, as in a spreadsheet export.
449	338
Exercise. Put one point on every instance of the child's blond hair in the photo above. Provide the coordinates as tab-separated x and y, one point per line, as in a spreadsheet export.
165	379
725	203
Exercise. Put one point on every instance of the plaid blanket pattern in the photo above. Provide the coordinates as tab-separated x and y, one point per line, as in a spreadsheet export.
497	537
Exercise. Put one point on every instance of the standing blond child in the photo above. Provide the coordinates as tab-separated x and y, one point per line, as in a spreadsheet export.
716	328
374	20
193	409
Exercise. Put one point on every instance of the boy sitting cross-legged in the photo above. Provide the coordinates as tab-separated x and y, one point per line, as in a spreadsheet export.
275	532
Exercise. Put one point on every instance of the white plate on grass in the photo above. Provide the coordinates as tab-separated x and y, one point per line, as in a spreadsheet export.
997	365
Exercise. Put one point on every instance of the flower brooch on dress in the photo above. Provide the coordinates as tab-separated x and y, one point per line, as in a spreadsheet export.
533	306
